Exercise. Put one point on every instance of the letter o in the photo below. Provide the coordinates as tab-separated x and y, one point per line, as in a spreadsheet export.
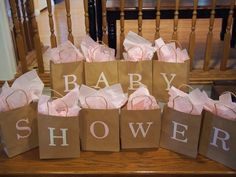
105	127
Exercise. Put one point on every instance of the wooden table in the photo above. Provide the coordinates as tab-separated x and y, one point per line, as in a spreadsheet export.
167	12
130	163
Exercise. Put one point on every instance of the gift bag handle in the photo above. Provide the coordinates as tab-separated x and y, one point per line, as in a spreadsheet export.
86	102
176	60
147	96
230	93
187	99
177	42
185	85
60	51
67	109
141	50
225	106
93	50
12	93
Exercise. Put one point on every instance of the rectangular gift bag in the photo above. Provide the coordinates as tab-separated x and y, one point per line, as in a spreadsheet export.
100	129
101	74
218	139
134	74
140	128
180	132
58	137
18	129
166	74
65	76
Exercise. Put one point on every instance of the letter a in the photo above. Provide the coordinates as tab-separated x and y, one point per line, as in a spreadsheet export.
101	79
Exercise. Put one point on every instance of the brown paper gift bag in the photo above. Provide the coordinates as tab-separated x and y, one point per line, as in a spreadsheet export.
18	129
58	136
101	74
100	129
166	74
133	74
180	132
140	128
65	76
218	139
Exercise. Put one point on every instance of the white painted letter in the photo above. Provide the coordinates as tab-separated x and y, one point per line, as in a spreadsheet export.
140	127
134	83
63	137
106	132
18	127
67	82
175	131
101	79
168	82
222	139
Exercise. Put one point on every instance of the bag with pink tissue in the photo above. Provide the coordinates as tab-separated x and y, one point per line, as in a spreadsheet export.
170	69
142	113
100	117
218	132
137	63
66	67
100	60
59	115
181	121
18	109
137	48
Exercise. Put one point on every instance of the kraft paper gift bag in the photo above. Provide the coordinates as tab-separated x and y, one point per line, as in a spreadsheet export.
100	130
58	126
140	121
18	129
132	75
180	132
218	134
101	74
65	76
66	67
171	68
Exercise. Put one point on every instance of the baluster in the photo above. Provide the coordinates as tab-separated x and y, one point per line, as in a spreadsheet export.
192	36
176	20
223	64
104	22
140	17
21	24
51	24
158	18
26	27
122	24
69	23
34	27
208	50
19	37
86	15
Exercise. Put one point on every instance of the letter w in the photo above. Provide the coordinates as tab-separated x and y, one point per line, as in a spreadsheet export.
140	128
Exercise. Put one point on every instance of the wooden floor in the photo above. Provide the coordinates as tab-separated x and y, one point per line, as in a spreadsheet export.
78	29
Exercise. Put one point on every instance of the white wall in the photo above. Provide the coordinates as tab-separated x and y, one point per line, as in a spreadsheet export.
7	57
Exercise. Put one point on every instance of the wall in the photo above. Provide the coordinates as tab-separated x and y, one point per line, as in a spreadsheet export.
7	57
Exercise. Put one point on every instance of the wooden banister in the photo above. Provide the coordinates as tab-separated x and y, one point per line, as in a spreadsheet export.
140	17
176	20
223	64
69	24
19	37
158	19
208	51
192	37
122	26
86	14
53	39
104	23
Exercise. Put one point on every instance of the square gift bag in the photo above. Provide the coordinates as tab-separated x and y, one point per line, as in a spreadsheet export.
58	126
140	122
218	134
18	127
171	68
